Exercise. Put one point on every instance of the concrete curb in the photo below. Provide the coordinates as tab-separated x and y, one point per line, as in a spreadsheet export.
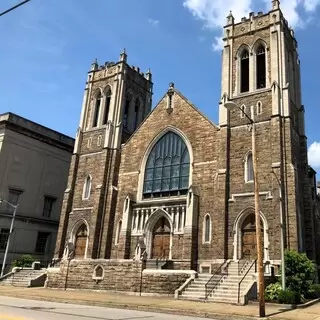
147	308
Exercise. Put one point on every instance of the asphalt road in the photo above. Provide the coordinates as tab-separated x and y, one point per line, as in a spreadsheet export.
22	309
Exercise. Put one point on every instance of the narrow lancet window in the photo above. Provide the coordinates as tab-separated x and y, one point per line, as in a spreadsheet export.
136	112
261	67
107	107
244	71
96	110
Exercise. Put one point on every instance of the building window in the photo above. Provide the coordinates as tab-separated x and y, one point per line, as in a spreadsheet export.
261	67
48	206
167	168
136	112
41	243
249	168
107	106
244	71
259	107
87	188
4	235
207	229
118	232
97	110
126	112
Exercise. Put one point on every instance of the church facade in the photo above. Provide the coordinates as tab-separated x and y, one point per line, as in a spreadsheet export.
169	185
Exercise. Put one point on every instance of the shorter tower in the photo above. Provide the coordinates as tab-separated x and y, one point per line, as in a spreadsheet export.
116	100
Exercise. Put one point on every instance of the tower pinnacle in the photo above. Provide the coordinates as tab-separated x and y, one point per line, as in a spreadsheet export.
275	4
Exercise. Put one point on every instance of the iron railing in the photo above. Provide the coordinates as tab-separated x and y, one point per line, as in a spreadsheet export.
254	263
215	279
242	263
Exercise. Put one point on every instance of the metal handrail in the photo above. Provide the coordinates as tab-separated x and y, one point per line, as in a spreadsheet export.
217	272
244	262
254	263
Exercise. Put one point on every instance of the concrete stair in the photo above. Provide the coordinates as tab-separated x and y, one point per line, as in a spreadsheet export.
226	290
21	278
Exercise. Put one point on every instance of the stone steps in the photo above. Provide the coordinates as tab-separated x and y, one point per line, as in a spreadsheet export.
227	286
21	278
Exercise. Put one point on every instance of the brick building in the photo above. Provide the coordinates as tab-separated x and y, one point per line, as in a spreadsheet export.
172	186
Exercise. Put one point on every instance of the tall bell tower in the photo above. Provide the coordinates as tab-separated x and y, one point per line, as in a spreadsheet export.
261	74
116	100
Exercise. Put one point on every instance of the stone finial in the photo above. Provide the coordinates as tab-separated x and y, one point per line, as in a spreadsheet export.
230	18
171	85
275	4
149	75
94	65
123	55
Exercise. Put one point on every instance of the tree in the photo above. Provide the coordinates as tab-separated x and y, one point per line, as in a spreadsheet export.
300	271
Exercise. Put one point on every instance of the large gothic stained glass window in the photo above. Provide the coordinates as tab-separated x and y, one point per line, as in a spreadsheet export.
167	168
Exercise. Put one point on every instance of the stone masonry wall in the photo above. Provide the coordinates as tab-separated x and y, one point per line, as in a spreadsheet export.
120	275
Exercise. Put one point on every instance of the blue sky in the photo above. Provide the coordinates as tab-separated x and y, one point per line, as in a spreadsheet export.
48	46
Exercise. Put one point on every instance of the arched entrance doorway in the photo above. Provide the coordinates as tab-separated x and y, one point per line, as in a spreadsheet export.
80	243
161	239
249	239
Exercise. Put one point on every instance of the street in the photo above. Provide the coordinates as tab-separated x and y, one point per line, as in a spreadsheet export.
22	309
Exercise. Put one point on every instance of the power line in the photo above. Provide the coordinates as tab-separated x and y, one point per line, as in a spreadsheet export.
15	7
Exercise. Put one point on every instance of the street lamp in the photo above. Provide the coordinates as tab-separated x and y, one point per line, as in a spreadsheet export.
230	105
15	207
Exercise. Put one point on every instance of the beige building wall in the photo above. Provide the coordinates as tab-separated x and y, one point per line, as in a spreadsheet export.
34	161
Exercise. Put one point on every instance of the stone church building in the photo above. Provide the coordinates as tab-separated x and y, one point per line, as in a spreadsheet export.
168	187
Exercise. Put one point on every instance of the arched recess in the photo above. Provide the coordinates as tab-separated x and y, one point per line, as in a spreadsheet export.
260	64
248	167
149	149
107	92
80	238
243	67
207	229
152	235
87	187
97	97
238	230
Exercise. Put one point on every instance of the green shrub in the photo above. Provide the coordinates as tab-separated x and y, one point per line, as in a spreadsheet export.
24	261
289	297
314	291
300	272
272	291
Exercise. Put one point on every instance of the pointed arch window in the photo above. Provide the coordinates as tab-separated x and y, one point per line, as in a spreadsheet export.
96	109
249	168
87	188
261	67
244	71
136	112
126	111
107	106
207	229
167	168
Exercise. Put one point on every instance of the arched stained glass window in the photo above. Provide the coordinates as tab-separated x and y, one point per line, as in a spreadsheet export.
167	168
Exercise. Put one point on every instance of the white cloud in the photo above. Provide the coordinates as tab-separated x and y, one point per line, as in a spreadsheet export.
314	154
213	12
153	22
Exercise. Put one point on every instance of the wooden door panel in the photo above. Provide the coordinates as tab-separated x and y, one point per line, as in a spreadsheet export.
80	247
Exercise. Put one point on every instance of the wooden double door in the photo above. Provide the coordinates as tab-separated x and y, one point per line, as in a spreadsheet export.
161	239
249	239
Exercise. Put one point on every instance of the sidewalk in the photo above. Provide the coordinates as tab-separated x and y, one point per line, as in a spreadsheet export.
160	304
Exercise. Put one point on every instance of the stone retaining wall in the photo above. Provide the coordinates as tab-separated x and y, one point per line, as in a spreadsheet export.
115	275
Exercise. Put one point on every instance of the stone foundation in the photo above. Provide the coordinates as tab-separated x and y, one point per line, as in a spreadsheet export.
116	275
